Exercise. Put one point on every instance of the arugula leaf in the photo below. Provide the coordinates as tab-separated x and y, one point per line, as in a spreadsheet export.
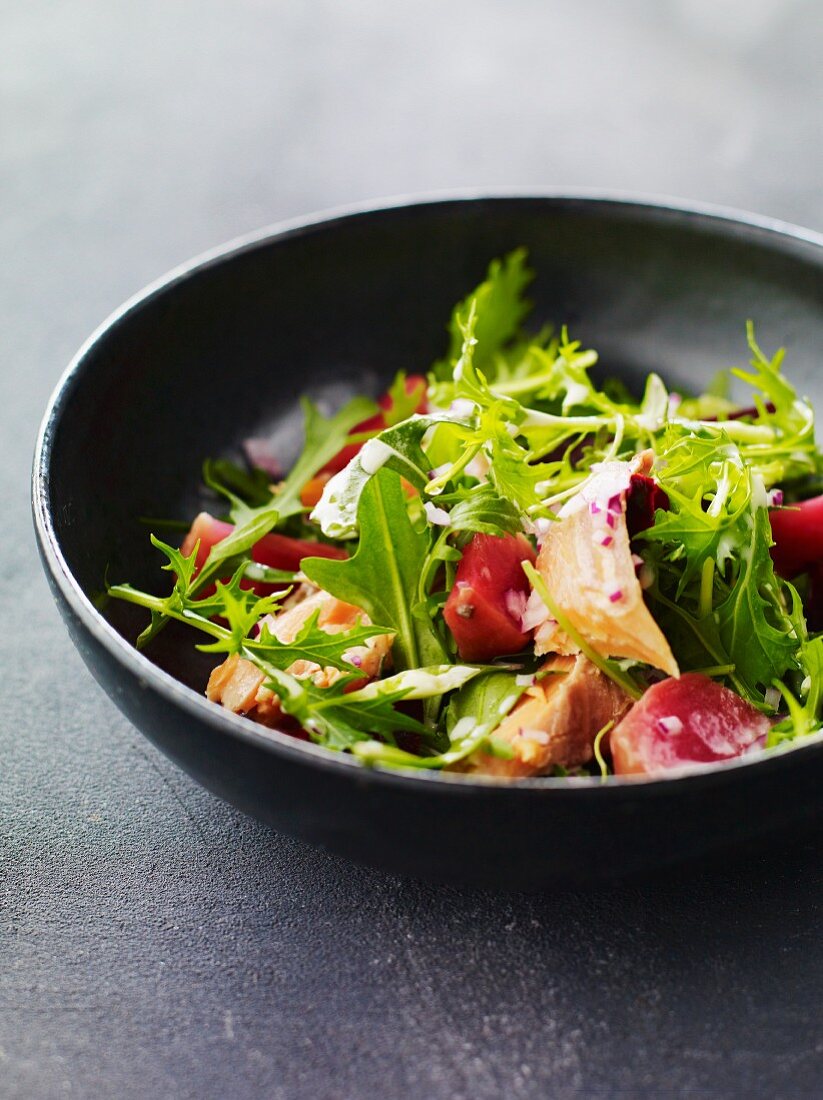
314	644
381	577
242	610
240	607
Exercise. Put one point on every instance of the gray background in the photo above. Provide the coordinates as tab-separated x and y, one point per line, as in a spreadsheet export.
153	942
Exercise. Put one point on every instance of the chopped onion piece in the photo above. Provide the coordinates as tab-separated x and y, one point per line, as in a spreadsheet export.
541	737
536	613
435	515
772	698
671	724
515	603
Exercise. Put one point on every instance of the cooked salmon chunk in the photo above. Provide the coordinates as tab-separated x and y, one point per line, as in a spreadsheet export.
239	685
586	562
555	721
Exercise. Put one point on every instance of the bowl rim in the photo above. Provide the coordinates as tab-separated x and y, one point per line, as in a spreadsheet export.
281	744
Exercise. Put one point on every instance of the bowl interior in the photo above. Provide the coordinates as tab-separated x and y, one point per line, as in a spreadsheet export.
336	308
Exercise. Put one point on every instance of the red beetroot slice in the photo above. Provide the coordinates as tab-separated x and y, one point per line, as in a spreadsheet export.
813	606
376	423
690	720
798	537
275	551
643	499
489	587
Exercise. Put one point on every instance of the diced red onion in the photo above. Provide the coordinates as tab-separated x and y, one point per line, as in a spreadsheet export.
515	603
670	725
774	498
355	659
606	540
616	595
535	614
541	737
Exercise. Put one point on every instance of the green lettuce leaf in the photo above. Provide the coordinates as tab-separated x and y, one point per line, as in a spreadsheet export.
501	307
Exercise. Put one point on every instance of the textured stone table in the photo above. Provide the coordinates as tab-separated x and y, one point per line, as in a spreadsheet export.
154	942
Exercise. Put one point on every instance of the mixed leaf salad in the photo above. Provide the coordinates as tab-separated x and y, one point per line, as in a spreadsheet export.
505	568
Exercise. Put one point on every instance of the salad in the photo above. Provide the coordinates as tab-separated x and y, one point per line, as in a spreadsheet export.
507	568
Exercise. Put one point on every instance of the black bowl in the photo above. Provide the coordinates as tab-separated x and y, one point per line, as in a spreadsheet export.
223	348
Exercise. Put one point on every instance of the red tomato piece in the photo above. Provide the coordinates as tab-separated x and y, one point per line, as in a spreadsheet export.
275	551
798	537
490	590
376	423
690	720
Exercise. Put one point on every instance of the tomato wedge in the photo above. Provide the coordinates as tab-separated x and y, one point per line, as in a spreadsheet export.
690	720
489	595
377	422
275	551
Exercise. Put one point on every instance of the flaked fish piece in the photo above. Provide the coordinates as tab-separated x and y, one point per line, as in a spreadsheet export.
238	684
587	565
555	721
